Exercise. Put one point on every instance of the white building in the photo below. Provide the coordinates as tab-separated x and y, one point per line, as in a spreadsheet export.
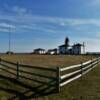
52	51
75	49
63	49
39	51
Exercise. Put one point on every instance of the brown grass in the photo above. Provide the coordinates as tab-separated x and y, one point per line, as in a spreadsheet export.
47	60
85	88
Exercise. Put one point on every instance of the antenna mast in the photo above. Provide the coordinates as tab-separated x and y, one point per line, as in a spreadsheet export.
9	40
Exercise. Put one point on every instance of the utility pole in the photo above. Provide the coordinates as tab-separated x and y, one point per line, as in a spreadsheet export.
9	40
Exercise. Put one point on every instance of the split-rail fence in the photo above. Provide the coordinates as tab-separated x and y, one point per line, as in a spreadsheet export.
54	77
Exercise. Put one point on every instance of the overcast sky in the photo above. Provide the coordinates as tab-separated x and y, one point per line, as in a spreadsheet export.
46	23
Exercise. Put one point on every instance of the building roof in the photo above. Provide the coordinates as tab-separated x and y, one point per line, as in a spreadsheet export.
39	49
78	44
50	50
63	45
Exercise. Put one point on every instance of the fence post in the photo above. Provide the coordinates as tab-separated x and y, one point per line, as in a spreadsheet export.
58	79
98	61
81	68
17	71
91	63
0	60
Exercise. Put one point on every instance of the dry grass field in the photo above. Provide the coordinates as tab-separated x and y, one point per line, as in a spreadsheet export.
85	88
47	60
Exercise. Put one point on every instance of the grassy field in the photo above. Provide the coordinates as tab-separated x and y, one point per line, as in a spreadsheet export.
47	60
85	88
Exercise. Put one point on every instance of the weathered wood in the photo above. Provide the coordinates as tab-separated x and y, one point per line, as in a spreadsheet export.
81	67
14	69
0	60
74	66
36	67
69	74
8	71
29	66
84	68
58	79
89	69
70	80
70	67
37	81
35	74
17	71
8	62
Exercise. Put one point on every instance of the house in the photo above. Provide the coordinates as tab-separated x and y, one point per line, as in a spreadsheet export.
39	51
52	51
77	49
63	49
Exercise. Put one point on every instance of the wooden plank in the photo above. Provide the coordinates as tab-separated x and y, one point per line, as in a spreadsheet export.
85	63
8	71
70	67
78	65
38	81
75	72
89	69
90	65
17	71
70	74
2	60
29	66
36	67
70	80
78	76
8	67
35	74
58	79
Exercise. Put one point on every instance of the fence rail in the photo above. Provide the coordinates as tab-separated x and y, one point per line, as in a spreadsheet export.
83	69
61	77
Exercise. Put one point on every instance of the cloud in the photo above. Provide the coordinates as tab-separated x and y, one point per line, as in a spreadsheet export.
94	2
6	25
19	10
29	22
4	30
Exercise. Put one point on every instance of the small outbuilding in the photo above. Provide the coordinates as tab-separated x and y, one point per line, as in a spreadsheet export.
52	51
39	51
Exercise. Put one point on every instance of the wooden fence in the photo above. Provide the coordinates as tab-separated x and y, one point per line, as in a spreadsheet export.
76	71
54	77
32	74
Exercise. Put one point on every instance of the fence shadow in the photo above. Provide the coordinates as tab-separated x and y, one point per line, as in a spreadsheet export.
33	92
